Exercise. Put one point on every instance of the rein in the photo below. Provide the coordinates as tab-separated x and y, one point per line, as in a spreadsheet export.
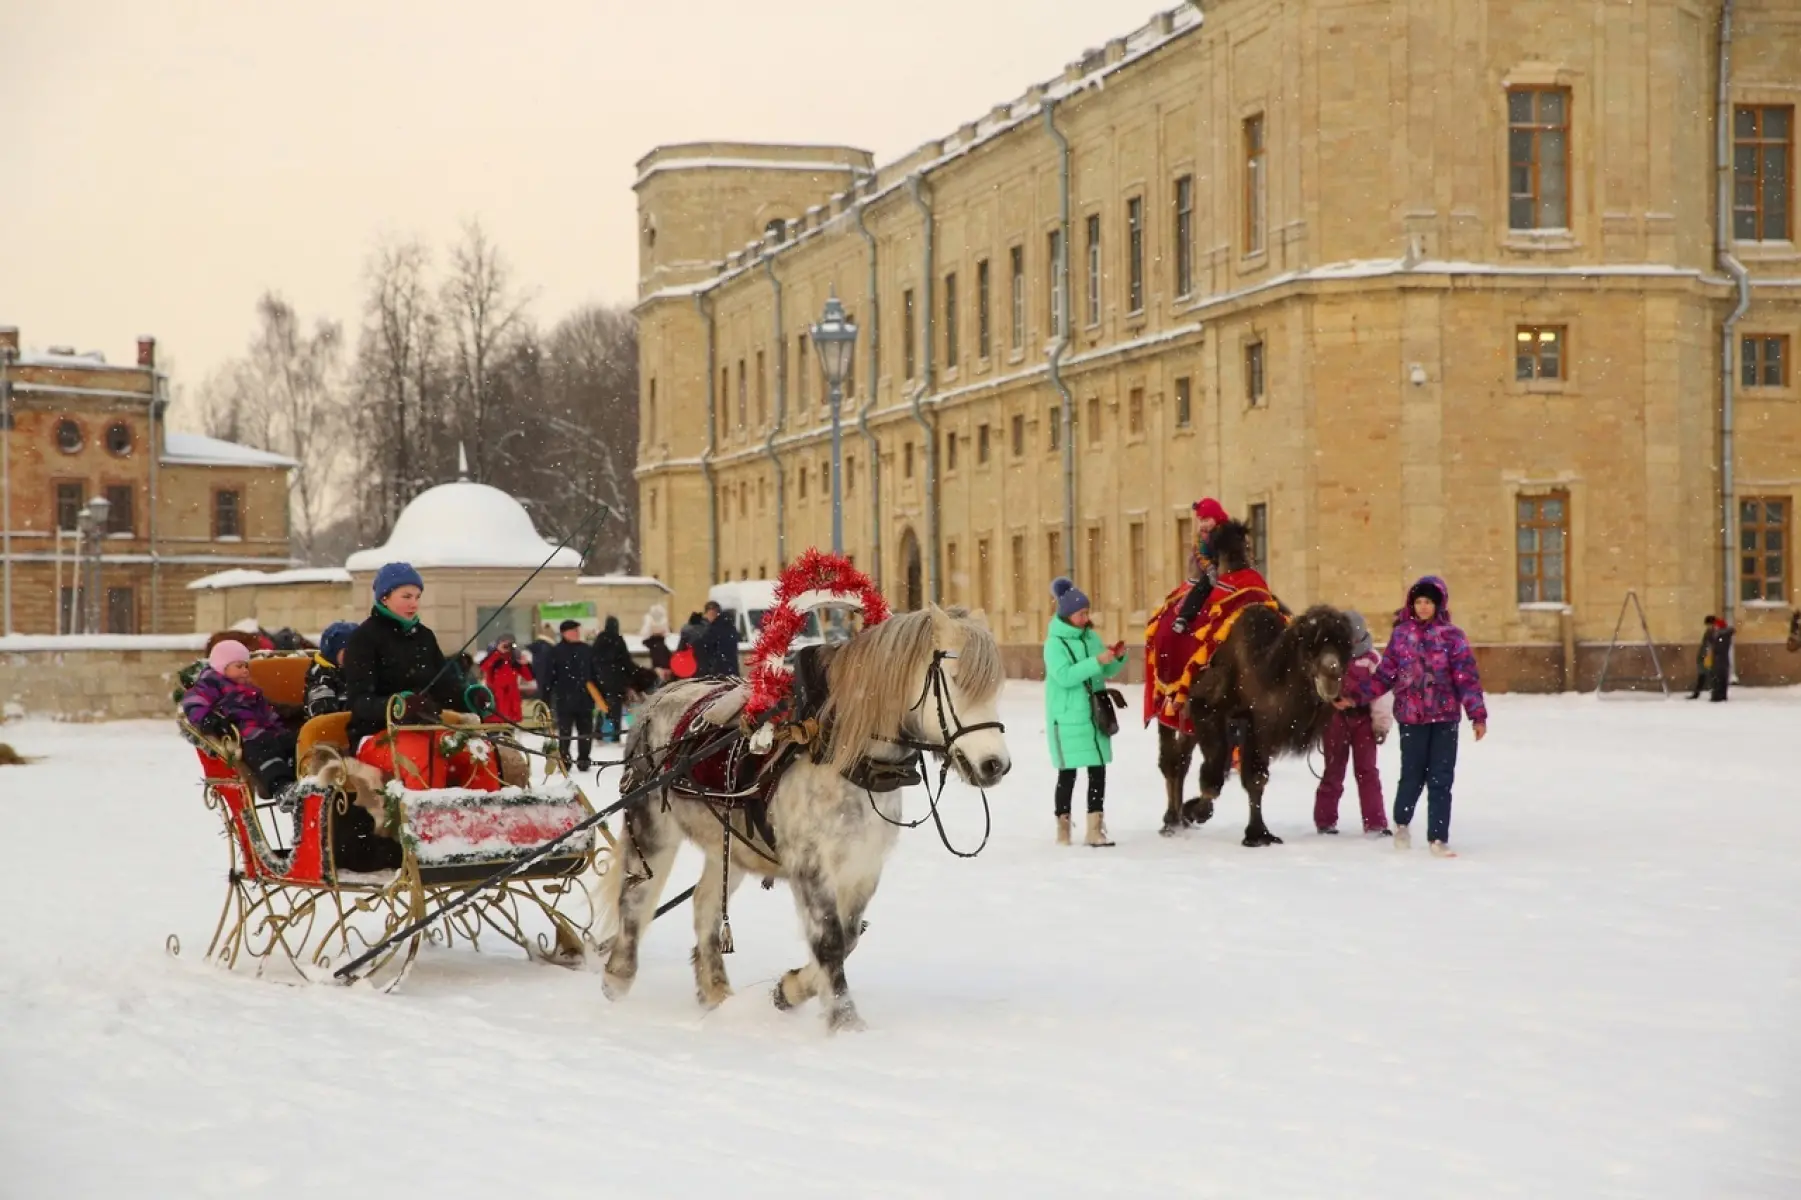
950	729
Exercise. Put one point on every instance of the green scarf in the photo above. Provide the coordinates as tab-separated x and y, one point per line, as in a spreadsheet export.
403	622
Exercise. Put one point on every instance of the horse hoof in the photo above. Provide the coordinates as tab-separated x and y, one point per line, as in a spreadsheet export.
845	1021
614	988
780	996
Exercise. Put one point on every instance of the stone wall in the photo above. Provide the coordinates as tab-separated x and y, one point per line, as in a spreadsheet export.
98	678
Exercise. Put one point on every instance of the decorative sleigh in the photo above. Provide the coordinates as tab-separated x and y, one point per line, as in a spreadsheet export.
288	902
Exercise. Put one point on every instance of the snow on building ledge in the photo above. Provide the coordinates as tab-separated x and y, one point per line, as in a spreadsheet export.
198	450
25	642
623	581
242	578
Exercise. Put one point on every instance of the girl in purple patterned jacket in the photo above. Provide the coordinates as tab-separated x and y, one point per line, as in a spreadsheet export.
1432	672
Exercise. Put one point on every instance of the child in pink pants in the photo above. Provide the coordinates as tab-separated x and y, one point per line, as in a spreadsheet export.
1352	736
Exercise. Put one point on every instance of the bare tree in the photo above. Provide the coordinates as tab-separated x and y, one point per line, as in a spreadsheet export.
484	317
396	376
589	414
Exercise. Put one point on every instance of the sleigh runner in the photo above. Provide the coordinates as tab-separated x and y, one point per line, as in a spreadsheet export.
288	901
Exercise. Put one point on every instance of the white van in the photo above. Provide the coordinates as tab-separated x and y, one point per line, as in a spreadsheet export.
750	600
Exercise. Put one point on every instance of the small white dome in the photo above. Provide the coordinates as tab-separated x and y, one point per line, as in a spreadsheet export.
465	525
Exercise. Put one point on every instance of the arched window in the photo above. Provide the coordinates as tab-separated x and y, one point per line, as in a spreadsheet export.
118	439
776	229
68	435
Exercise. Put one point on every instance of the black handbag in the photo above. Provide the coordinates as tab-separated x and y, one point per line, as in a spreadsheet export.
1105	702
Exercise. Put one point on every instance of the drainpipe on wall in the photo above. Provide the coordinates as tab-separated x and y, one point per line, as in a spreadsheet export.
781	410
156	452
1736	269
924	390
872	321
1067	402
706	458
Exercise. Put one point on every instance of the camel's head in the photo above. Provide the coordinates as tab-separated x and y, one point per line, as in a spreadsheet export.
1326	640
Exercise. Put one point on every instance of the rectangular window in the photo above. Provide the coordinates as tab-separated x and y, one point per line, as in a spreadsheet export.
850	365
68	506
984	577
743	499
981	444
952	351
762	392
1055	425
650	414
228	516
953	575
1763	360
1016	261
825	480
121	610
1538	352
1094	269
1053	554
1135	254
907	461
725	389
1095	566
1542	530
909	344
1017	435
1538	158
984	330
950	452
804	371
743	395
1253	373
1019	589
1763	540
1184	402
1763	160
1256	187
69	614
1094	420
653	508
1257	537
1185	236
1184	543
1140	569
800	481
1135	412
1054	273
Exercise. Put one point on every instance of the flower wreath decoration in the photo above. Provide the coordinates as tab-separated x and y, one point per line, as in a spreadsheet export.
815	580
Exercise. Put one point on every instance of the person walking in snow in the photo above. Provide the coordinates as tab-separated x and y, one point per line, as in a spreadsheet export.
568	670
539	654
1076	664
1430	668
1720	678
223	699
615	674
1352	735
654	633
1704	659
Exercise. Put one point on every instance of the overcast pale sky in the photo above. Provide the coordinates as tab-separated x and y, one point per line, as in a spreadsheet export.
163	163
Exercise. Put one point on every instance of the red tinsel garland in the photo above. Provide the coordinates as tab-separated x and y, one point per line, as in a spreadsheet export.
813	571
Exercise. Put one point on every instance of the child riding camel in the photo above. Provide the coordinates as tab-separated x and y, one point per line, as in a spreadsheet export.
1209	514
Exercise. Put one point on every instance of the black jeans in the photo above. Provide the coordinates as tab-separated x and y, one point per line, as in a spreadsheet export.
577	718
1428	763
1097	789
271	756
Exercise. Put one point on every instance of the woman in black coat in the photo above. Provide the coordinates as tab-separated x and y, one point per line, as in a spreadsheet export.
614	673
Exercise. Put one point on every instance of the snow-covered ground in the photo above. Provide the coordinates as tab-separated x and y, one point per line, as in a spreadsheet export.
1601	998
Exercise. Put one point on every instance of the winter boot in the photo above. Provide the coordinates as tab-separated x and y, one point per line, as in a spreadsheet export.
1097	831
1063	829
1441	850
1329	830
1403	838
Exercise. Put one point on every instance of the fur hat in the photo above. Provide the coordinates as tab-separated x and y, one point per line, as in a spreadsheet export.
1361	641
335	638
226	653
1070	599
1210	509
656	621
395	575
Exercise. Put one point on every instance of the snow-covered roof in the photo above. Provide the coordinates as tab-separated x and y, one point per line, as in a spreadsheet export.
622	581
465	525
239	577
22	642
60	358
198	450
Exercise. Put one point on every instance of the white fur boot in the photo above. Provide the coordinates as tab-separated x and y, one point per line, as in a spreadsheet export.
1063	829
1097	831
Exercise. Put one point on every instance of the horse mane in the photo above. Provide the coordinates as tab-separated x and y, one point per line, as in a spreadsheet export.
1231	546
867	699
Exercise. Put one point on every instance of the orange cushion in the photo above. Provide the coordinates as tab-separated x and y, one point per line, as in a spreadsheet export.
281	677
332	727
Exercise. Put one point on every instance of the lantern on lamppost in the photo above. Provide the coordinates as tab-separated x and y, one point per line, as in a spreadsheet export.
835	340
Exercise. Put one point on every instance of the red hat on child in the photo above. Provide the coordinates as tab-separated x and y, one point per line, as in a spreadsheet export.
1211	510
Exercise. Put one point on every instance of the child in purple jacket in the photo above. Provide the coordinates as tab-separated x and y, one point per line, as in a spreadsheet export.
223	698
1429	667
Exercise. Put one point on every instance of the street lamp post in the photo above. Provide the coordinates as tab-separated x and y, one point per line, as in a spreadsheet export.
835	339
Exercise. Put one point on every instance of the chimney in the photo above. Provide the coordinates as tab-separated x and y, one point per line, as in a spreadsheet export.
9	340
146	351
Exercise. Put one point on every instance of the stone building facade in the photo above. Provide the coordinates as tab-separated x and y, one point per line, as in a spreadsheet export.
1413	288
182	505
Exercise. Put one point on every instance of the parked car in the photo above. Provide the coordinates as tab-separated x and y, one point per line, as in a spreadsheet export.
751	600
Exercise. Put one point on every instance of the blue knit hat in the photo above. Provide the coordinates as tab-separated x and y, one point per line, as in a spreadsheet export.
1070	599
334	638
393	575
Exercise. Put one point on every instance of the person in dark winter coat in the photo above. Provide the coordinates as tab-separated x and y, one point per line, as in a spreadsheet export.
716	651
615	674
654	633
223	699
539	652
1704	659
1430	668
1721	676
506	675
392	652
325	690
568	670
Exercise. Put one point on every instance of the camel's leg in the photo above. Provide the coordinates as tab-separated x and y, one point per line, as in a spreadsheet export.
830	939
1175	753
646	853
1253	772
710	981
1199	809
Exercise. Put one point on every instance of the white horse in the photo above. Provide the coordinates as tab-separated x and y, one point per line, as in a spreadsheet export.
921	681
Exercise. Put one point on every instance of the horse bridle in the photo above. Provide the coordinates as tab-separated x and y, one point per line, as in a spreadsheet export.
950	729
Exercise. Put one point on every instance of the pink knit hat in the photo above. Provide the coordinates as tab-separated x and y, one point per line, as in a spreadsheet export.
226	653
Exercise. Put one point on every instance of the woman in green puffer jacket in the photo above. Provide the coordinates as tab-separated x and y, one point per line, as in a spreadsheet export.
1076	667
